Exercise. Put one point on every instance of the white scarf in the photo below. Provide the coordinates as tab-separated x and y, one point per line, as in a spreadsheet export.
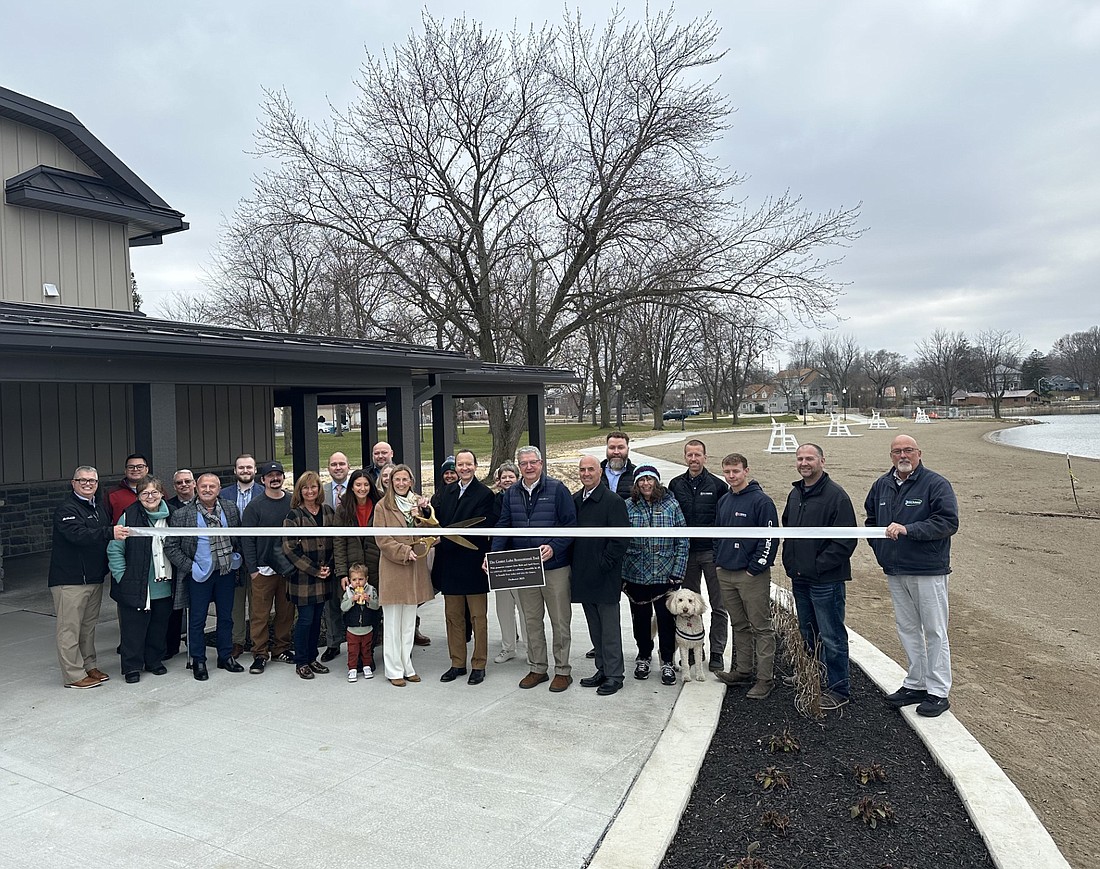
407	505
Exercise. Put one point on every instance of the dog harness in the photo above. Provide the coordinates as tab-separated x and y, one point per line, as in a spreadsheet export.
685	629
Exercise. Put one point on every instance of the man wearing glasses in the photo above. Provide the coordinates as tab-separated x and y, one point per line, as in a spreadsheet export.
184	484
82	527
137	466
918	509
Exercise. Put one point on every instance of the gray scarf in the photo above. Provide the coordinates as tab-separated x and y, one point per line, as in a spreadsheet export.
221	548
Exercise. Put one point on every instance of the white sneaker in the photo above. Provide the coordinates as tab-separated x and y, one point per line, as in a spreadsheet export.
503	656
368	673
353	675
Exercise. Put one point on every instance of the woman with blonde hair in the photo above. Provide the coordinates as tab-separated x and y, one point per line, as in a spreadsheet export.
309	584
403	581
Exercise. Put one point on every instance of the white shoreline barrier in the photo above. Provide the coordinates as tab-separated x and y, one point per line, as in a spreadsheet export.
755	533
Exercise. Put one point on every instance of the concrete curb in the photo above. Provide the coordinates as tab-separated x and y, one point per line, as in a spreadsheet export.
643	829
1015	837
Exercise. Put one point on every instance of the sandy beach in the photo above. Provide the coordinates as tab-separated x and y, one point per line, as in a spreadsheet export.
1025	617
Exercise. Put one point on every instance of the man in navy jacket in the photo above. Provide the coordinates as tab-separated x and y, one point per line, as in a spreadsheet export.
920	513
540	501
745	576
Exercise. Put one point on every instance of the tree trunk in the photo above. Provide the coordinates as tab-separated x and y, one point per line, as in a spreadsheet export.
506	428
288	439
341	412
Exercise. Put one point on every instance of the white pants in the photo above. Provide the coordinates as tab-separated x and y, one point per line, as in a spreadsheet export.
399	622
920	612
507	603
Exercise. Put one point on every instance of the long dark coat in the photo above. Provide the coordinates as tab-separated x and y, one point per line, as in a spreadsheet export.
597	575
457	570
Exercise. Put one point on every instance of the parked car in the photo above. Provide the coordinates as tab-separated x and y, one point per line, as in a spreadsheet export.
325	428
678	413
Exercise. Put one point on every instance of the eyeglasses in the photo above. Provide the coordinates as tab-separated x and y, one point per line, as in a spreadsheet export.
152	494
530	464
136	467
84	481
904	451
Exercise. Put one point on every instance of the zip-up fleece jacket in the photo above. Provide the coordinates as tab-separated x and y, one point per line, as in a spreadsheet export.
550	505
81	533
925	504
825	505
698	500
749	508
265	512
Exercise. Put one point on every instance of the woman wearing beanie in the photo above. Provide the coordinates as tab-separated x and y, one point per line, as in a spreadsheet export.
653	567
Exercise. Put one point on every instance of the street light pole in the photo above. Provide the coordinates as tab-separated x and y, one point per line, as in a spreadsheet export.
844	398
683	396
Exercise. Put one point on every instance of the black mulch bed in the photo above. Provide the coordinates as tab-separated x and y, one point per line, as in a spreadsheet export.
723	818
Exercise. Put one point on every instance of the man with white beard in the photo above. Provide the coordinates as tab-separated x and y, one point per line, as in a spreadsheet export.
920	513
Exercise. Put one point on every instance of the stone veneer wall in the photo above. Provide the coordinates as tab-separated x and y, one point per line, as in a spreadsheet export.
26	518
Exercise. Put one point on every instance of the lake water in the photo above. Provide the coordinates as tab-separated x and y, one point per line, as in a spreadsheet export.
1076	435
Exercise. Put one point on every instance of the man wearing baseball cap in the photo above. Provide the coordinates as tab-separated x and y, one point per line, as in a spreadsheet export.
263	555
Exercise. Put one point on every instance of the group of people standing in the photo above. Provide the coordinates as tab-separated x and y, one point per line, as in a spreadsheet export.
366	586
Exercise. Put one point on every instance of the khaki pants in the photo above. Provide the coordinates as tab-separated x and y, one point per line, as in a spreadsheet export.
455	608
552	599
748	602
268	590
77	608
242	599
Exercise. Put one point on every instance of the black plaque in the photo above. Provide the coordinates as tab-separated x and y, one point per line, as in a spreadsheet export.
515	568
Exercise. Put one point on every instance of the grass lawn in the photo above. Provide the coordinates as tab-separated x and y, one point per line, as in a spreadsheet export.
478	439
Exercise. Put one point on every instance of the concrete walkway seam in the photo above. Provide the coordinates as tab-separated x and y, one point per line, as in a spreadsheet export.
650	815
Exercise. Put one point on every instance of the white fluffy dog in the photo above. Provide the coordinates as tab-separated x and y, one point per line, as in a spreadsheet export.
688	607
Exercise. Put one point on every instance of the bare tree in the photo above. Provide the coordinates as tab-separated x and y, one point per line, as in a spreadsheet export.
945	360
659	346
996	354
1078	354
881	368
838	360
732	338
484	172
183	307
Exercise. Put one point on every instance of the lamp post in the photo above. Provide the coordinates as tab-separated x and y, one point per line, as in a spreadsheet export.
844	398
803	405
905	399
683	397
619	408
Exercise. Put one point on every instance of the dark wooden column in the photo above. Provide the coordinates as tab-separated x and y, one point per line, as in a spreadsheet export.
303	421
536	419
155	427
403	433
443	433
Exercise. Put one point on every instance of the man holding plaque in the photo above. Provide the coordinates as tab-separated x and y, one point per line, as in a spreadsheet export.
538	501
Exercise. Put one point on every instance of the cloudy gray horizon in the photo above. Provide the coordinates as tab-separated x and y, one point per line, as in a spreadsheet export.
969	131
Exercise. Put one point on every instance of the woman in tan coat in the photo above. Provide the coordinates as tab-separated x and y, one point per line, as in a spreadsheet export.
403	580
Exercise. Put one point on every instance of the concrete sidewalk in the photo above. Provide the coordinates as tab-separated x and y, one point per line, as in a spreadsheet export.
275	771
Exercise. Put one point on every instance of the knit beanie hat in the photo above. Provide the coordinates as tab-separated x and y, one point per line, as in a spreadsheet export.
647	471
448	464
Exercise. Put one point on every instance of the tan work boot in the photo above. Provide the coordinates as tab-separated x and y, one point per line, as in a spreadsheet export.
760	690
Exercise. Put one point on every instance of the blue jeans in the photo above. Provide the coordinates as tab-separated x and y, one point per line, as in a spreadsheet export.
307	632
820	609
218	588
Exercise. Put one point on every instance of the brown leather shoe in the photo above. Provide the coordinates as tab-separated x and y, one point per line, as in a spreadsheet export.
400	683
96	673
238	650
533	679
88	681
420	640
560	683
412	678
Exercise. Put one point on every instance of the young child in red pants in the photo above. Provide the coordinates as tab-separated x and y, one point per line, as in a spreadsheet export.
361	615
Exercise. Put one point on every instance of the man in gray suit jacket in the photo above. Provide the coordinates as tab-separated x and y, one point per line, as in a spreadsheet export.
241	492
338	469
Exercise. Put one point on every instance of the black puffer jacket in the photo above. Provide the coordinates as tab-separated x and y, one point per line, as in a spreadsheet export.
81	533
825	505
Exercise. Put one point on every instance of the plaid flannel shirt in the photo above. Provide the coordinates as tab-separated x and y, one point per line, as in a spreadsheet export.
654	560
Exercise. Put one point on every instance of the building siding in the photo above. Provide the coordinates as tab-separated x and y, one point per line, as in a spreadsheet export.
88	260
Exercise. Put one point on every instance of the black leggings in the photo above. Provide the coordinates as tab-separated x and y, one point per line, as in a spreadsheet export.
641	614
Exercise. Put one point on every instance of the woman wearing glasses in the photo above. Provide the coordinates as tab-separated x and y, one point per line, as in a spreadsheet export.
142	584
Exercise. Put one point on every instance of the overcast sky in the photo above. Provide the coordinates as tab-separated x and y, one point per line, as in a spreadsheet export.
969	131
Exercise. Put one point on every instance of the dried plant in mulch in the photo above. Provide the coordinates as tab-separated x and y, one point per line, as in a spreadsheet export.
784	743
773	777
873	813
807	670
725	816
872	772
777	821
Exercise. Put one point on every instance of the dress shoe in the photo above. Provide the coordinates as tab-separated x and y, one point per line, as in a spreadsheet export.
608	688
304	671
453	674
560	683
532	679
86	682
420	640
158	670
96	673
318	667
412	678
477	676
590	654
198	670
594	681
230	664
330	654
400	683
131	678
